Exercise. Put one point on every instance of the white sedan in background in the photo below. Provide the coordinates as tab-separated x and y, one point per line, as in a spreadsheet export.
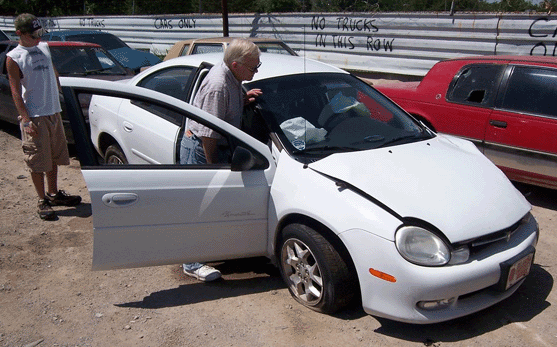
338	186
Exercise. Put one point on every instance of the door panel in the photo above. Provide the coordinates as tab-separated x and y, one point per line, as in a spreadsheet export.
521	134
524	143
176	215
147	136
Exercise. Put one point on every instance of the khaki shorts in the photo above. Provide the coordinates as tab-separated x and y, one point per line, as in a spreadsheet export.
49	147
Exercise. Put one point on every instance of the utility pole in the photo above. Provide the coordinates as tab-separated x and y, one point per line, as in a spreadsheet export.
225	18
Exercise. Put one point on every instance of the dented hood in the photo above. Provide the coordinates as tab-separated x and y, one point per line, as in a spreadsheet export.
445	181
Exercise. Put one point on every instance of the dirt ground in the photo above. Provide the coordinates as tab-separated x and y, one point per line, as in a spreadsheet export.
50	297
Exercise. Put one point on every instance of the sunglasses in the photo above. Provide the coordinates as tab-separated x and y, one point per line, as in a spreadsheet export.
38	33
253	70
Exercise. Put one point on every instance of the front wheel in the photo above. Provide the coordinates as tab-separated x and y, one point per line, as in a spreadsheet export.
115	155
316	275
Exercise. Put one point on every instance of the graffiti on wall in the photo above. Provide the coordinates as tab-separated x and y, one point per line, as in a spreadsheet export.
91	22
49	23
548	42
345	38
174	23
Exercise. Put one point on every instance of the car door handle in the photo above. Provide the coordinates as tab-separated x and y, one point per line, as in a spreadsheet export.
498	123
127	126
120	199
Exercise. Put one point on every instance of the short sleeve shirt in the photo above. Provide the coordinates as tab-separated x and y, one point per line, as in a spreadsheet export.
221	95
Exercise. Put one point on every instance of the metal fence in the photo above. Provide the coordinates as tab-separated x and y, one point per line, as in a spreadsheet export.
384	43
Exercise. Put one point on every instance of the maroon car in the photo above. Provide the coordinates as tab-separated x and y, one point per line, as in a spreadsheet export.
506	105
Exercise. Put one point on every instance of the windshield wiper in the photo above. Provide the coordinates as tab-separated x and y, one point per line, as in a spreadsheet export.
397	139
97	70
327	149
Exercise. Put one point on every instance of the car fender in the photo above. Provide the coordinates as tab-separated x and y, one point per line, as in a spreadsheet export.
299	194
103	119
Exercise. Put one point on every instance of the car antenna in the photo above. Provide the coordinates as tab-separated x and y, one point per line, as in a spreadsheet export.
304	47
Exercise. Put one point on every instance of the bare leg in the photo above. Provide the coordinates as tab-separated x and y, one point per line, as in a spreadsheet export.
52	180
38	182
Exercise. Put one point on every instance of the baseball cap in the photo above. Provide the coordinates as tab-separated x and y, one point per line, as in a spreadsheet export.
27	23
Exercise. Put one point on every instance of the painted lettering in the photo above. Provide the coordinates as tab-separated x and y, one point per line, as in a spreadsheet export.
163	23
541	48
91	22
188	23
377	44
317	23
320	40
362	25
340	41
531	31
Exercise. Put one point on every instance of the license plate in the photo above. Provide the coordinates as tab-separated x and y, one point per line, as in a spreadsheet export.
519	270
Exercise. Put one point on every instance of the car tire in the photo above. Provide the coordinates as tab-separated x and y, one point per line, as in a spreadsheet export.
315	273
115	155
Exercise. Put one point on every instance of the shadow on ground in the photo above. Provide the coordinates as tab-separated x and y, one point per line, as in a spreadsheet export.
539	196
240	277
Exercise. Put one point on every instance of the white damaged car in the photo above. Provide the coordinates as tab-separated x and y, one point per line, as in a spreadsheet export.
346	193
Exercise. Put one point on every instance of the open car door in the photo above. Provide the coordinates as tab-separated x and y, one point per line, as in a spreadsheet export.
150	214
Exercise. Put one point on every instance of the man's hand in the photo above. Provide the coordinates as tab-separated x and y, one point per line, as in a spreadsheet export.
251	95
28	126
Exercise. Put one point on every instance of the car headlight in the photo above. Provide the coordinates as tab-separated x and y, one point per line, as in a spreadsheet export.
422	247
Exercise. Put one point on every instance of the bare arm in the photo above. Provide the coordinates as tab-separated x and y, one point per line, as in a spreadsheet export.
210	148
14	74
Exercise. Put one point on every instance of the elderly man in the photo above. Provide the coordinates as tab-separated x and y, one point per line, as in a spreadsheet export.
221	95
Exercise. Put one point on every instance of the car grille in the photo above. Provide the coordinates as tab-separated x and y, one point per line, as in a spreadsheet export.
502	236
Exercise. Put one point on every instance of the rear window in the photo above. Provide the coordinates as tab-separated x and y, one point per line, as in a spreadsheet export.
532	90
207	48
107	41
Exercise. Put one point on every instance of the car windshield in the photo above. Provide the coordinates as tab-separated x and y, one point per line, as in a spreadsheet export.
84	61
323	113
107	41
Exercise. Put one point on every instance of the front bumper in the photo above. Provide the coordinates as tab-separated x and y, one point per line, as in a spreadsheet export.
467	288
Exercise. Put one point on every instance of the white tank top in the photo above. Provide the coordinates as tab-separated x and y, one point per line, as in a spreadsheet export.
39	87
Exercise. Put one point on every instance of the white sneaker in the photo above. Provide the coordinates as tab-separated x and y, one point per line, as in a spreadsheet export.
205	273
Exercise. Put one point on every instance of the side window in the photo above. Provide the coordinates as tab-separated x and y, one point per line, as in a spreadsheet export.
185	50
172	82
532	90
201	48
476	85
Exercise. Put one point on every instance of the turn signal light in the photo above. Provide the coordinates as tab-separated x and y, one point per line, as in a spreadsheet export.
382	275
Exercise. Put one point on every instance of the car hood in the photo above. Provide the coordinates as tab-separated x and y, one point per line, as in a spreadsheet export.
134	59
445	181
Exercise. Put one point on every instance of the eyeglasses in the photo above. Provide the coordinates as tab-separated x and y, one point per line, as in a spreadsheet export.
253	70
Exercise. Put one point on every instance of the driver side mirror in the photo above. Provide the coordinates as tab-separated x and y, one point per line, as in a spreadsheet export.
244	160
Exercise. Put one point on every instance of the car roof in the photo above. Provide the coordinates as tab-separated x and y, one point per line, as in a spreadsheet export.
272	65
72	44
508	59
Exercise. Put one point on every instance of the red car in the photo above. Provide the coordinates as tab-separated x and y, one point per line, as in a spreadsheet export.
506	105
